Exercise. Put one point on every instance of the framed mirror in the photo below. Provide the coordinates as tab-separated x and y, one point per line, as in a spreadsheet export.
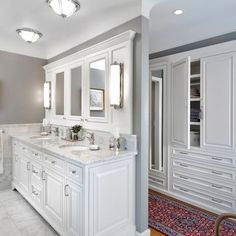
59	93
97	102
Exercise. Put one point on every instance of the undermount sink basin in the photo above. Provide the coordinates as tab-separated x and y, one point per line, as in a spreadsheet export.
71	147
41	138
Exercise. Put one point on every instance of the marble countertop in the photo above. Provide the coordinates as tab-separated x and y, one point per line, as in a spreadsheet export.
51	145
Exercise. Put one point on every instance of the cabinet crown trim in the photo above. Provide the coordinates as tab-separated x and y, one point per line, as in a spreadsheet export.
118	39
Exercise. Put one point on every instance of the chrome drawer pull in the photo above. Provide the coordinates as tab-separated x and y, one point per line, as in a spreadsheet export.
216	186
65	190
35	172
183	189
36	154
43	175
183	177
183	165
217	159
217	172
53	162
216	200
35	193
73	171
184	153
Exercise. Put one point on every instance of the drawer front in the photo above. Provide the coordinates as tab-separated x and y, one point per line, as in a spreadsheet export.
36	194
215	159
157	182
74	172
224	189
36	174
215	173
24	150
212	200
54	162
37	155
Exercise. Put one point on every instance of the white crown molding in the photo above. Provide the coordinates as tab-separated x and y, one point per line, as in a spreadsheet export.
118	39
145	233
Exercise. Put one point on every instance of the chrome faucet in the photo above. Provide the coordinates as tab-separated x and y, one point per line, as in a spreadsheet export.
90	136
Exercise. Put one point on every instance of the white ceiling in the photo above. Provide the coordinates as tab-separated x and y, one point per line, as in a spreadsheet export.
95	17
202	19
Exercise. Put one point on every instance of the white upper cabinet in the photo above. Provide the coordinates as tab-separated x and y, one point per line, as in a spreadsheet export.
80	86
180	102
218	105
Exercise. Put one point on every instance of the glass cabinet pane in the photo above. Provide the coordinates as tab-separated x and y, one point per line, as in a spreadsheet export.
97	71
60	93
76	91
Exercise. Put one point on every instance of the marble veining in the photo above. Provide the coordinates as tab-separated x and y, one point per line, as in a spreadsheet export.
18	218
85	157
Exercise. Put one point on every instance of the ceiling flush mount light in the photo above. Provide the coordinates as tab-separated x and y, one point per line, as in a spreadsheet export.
64	8
178	12
29	35
116	85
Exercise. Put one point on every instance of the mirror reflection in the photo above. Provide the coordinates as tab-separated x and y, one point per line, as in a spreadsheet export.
97	71
156	160
76	91
60	93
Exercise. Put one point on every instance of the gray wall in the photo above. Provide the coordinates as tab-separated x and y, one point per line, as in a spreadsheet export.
141	106
21	89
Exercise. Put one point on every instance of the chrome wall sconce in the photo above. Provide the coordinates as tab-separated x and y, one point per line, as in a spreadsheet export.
47	95
116	85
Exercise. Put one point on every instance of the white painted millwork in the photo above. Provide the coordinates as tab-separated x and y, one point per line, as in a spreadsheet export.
219	104
116	49
180	102
202	175
77	200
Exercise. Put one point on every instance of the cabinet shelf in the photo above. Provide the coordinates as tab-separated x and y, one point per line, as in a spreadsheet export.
195	83
195	123
195	99
195	76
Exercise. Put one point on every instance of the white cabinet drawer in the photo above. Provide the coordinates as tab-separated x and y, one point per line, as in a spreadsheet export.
215	159
74	172
212	200
36	194
24	150
37	155
204	170
157	182
36	174
54	162
225	189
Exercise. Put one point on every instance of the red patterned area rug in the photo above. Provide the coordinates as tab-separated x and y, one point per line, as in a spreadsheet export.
174	218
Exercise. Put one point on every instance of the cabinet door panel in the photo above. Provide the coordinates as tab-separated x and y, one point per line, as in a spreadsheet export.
74	209
24	174
218	103
53	196
180	102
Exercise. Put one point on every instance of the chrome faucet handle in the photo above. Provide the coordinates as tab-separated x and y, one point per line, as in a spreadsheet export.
91	137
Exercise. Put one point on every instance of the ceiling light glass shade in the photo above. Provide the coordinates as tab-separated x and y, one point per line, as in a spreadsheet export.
64	8
29	35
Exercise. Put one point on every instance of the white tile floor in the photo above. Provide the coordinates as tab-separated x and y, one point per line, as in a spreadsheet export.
18	218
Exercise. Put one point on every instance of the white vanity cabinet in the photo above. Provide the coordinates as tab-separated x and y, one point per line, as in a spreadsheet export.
75	199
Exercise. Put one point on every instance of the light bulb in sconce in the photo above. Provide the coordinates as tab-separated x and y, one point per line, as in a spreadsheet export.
116	85
47	95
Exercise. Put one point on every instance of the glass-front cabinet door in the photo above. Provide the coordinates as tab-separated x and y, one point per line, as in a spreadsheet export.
97	107
76	88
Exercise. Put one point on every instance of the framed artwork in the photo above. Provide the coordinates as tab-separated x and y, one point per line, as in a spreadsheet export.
96	100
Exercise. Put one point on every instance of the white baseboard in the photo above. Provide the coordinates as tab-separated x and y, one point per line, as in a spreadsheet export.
145	233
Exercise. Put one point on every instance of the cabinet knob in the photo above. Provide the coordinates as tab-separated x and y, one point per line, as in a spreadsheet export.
53	162
73	171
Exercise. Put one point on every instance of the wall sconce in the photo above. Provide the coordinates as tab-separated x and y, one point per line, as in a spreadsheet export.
116	85
47	95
